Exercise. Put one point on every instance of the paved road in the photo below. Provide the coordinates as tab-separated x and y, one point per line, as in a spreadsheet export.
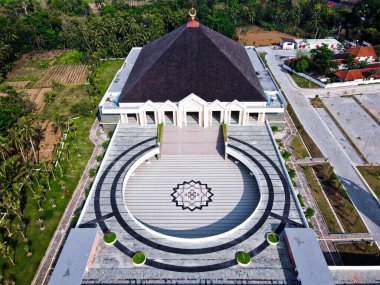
363	200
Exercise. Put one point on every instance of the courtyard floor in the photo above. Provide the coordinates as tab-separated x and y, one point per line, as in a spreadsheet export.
111	207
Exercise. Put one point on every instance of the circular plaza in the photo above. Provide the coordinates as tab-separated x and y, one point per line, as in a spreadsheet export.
191	197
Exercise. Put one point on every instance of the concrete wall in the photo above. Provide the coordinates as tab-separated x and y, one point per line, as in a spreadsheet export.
331	85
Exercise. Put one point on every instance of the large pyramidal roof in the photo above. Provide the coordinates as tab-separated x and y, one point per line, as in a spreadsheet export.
192	59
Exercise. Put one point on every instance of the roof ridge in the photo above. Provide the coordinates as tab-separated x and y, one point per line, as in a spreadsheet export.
137	80
229	56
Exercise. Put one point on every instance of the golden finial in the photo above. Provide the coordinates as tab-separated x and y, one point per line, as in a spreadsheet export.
192	13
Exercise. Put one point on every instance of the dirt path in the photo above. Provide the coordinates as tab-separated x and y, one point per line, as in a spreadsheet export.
258	37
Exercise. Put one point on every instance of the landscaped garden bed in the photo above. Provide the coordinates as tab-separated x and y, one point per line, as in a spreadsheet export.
273	238
139	258
109	238
371	174
339	199
325	210
243	258
298	148
360	254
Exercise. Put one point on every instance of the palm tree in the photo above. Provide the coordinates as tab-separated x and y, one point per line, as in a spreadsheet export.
59	123
21	227
5	148
28	132
40	222
4	224
17	140
6	251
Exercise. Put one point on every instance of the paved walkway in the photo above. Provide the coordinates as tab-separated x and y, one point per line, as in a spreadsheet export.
362	199
320	227
172	261
77	198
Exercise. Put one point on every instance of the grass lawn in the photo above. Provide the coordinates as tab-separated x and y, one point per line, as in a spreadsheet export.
62	187
310	144
106	72
298	148
324	208
371	174
339	199
66	98
303	82
362	254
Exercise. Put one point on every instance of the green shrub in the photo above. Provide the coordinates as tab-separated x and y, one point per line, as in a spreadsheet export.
109	237
286	155
82	108
225	132
160	132
292	173
273	238
100	157
50	96
300	199
139	257
243	257
274	129
309	213
105	144
71	57
93	172
56	84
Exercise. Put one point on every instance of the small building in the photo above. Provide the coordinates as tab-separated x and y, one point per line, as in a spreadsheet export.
363	53
307	257
287	43
369	73
308	44
76	257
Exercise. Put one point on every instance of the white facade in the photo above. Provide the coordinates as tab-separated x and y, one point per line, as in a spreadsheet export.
190	110
308	44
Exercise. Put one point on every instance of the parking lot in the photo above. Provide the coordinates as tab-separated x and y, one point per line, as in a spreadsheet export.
360	127
371	102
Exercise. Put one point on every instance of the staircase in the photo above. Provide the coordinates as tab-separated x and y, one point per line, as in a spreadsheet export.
192	140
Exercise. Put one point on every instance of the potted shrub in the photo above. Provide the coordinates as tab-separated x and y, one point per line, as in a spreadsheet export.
273	238
109	238
139	258
243	258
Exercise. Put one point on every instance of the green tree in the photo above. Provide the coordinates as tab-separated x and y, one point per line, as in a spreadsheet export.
302	65
321	60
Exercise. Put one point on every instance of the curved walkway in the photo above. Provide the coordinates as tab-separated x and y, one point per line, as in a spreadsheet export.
185	260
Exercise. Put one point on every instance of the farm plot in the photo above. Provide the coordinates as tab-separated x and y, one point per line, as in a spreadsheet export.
37	96
48	142
67	74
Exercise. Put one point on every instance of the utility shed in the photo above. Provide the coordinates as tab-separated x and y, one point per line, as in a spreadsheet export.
307	257
76	255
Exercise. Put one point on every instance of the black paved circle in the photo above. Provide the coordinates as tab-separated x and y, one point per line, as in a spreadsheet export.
162	247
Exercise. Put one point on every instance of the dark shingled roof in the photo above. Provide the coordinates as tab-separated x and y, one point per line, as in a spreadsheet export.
192	60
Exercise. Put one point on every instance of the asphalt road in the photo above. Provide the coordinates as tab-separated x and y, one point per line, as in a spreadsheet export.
328	144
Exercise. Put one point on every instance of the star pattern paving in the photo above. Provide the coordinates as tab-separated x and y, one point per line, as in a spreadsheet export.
192	195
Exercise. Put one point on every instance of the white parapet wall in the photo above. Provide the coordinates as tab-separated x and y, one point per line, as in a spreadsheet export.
331	85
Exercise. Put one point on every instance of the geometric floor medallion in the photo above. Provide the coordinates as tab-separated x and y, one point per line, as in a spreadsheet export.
192	195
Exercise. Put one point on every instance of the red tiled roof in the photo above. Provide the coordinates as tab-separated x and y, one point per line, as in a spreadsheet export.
354	74
362	51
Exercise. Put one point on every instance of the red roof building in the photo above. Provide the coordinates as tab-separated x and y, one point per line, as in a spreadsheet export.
363	53
358	74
